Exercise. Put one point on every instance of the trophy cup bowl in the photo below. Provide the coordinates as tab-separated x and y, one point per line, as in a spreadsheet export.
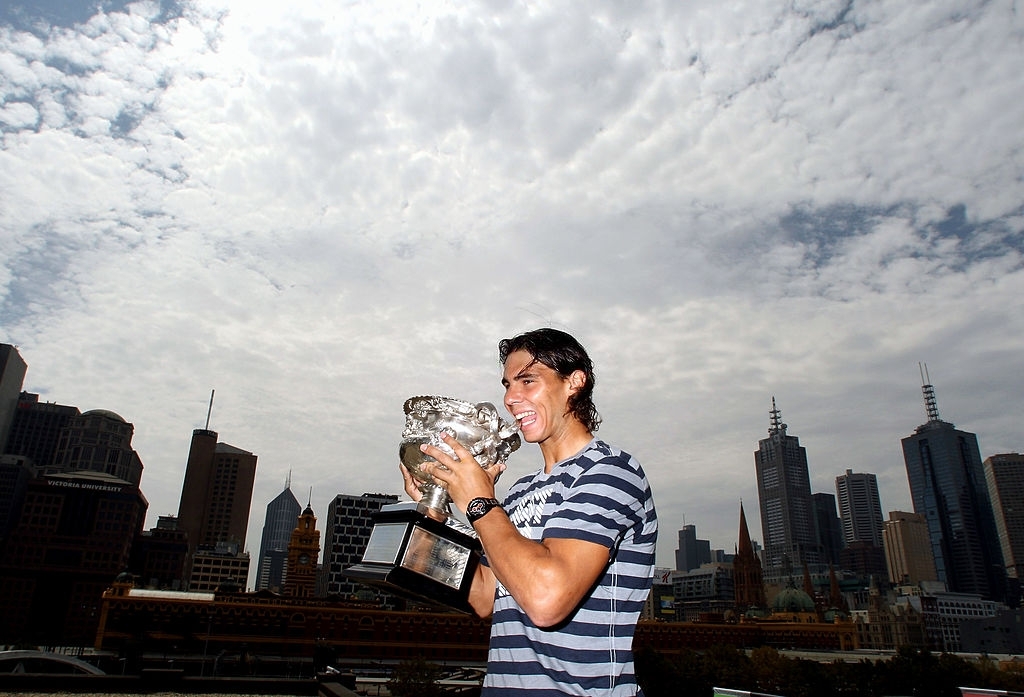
478	427
418	550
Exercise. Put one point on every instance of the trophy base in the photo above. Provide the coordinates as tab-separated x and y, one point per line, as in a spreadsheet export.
416	556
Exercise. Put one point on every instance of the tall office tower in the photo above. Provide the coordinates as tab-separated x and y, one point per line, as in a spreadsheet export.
73	537
36	428
784	490
346	532
215	499
1005	477
97	441
859	507
12	378
692	552
278	525
303	551
908	549
748	578
947	485
830	531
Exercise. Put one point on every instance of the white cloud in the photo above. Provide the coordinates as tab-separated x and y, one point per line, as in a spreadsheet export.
320	210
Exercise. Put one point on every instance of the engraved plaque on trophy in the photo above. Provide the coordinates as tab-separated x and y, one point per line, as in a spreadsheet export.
416	549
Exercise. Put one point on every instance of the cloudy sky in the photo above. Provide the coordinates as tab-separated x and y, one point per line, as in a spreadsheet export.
319	209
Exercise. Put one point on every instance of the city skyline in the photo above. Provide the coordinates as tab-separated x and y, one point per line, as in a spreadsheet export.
322	211
777	427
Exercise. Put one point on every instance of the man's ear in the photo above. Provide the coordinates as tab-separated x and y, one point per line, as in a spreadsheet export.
577	380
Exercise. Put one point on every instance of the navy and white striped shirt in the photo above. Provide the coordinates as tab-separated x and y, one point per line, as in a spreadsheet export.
599	495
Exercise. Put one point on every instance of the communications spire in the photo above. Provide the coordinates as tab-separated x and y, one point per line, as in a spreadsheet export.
776	420
209	410
931	406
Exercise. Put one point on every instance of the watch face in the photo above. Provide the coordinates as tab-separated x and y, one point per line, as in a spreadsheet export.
477	508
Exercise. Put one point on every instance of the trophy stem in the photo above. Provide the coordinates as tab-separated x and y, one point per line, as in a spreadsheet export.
435	502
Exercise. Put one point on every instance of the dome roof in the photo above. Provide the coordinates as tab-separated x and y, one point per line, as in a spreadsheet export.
793	600
105	412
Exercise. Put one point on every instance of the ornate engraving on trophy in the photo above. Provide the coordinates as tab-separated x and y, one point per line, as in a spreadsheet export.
478	427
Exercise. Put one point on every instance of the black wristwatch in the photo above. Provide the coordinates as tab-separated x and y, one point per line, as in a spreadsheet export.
479	507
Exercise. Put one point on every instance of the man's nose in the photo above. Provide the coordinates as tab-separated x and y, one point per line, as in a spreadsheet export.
511	396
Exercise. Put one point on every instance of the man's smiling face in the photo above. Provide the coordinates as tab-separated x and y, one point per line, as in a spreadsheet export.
536	396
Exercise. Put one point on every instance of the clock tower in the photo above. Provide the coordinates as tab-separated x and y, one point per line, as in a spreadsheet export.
303	551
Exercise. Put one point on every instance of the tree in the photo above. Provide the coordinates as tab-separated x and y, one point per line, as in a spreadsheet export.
415	678
770	669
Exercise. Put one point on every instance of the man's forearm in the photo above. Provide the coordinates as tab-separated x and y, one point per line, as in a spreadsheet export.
481	592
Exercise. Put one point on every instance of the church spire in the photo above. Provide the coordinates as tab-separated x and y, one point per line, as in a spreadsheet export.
744	547
748	576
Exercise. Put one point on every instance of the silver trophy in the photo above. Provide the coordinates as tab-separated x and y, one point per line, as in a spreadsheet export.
478	427
417	549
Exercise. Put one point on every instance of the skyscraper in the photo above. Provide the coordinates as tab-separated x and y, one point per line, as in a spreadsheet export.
278	525
36	428
908	550
73	538
72	526
97	441
859	507
947	485
346	532
691	552
215	496
784	490
1005	477
830	530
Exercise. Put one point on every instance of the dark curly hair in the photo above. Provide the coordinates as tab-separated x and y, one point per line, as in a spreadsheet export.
563	354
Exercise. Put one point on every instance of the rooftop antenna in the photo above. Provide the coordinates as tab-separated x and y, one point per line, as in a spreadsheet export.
931	406
288	480
209	410
309	503
776	423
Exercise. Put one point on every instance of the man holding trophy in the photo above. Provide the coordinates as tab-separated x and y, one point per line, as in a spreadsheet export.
568	557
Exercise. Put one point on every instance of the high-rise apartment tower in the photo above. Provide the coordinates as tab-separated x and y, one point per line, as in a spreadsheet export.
860	509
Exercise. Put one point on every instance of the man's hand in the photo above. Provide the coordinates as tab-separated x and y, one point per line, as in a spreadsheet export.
463	477
412	487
